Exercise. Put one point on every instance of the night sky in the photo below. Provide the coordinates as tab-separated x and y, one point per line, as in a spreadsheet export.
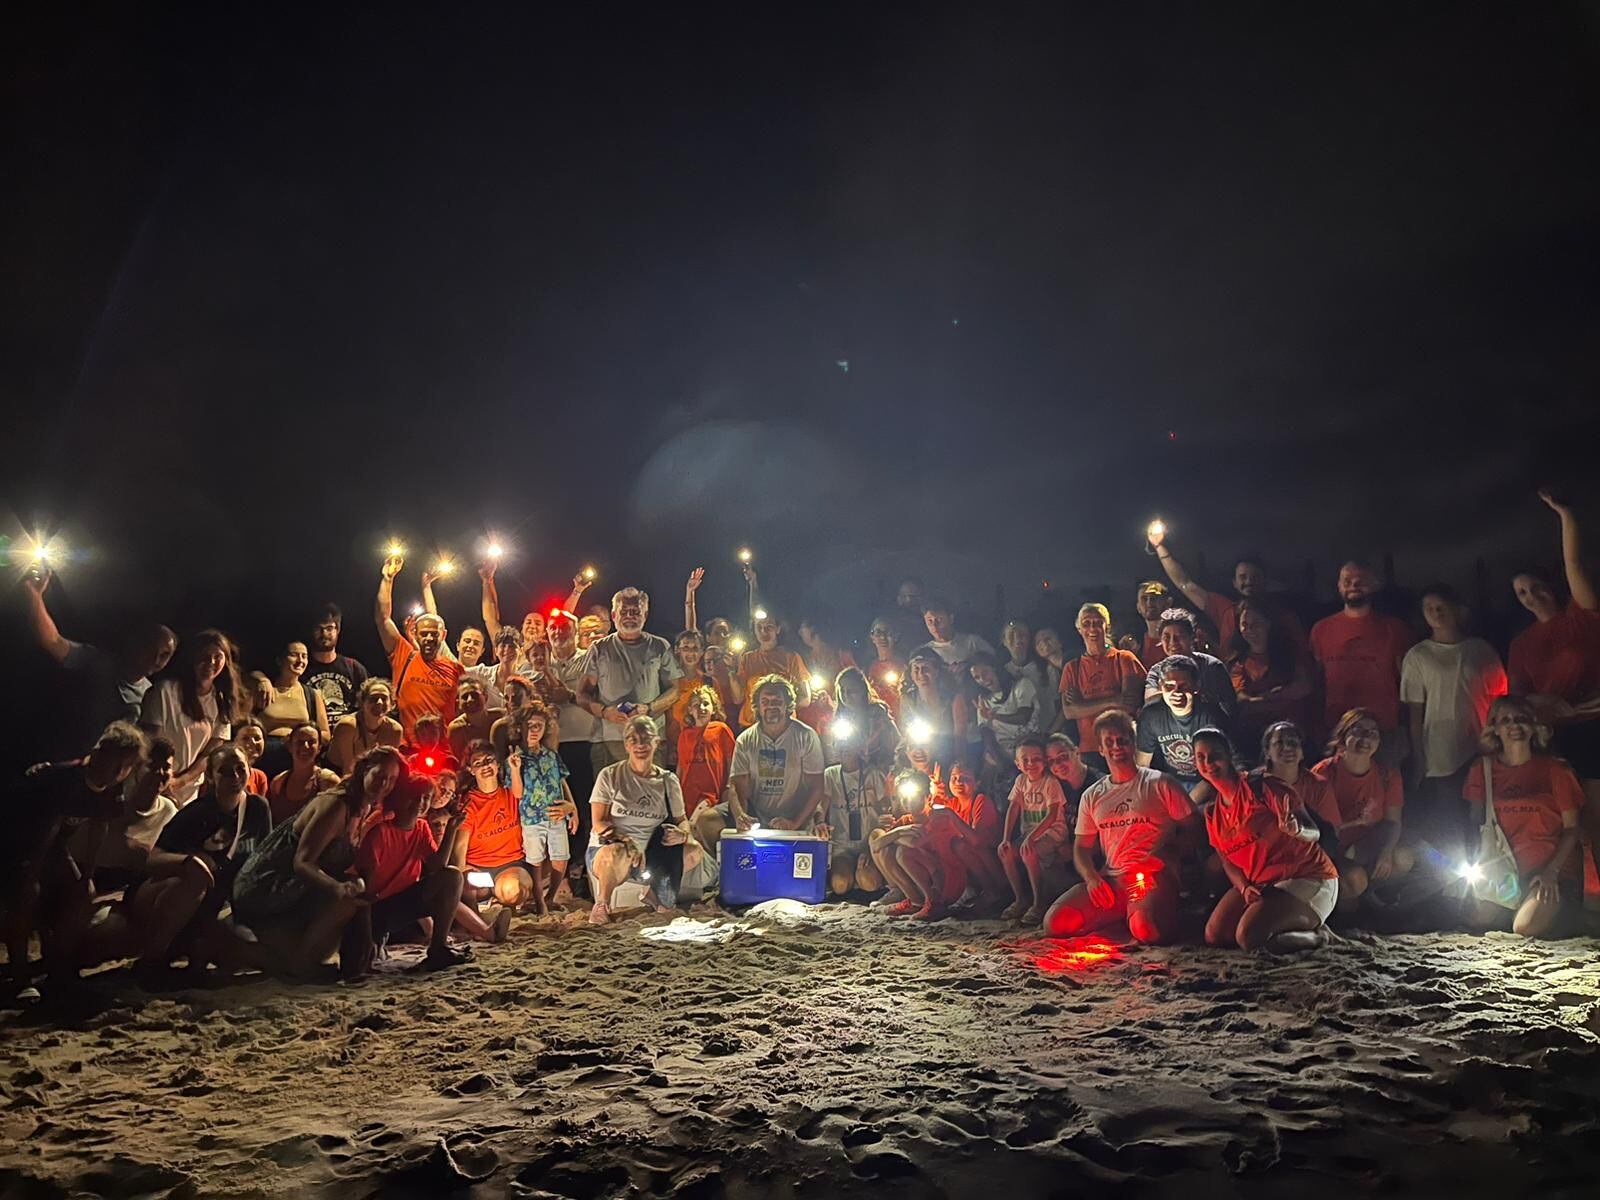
970	293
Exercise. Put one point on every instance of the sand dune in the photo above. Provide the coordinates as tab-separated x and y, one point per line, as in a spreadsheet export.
834	1052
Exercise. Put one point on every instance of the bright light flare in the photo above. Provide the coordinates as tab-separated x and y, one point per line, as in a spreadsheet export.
818	683
495	551
909	789
444	567
589	573
892	678
1156	528
843	729
760	614
920	732
395	550
1471	872
480	879
736	644
745	556
416	610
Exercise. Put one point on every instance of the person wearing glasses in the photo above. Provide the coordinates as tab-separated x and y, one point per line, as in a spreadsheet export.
626	673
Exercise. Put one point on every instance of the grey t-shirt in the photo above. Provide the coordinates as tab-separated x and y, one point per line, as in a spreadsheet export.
635	672
638	803
775	766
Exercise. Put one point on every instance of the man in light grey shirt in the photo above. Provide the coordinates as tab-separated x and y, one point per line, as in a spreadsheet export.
626	672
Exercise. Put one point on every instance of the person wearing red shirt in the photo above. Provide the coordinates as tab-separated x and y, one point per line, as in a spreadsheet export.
1536	802
705	750
889	671
1284	886
1271	675
1555	663
1363	806
424	674
1152	600
490	837
1358	653
1100	678
406	875
1249	583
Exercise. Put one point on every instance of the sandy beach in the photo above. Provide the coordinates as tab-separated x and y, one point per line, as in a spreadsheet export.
795	1052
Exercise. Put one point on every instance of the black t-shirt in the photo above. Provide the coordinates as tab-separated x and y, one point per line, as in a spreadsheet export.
1170	738
51	803
338	681
1090	778
203	828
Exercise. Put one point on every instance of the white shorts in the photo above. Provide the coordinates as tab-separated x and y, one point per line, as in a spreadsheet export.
1320	895
546	841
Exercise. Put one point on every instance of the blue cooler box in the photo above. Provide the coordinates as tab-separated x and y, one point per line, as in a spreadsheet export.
773	864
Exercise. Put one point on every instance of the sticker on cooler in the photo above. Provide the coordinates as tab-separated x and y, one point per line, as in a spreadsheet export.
802	866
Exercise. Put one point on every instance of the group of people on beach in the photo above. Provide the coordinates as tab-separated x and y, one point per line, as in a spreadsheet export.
1222	764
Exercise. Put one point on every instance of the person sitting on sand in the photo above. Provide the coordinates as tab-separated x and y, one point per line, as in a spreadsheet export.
409	881
1284	886
296	893
855	801
545	807
975	854
776	772
930	852
1036	835
1366	798
1537	801
639	828
1066	763
1139	819
705	749
490	837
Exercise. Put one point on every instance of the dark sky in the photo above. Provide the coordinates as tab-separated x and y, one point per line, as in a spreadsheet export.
1315	283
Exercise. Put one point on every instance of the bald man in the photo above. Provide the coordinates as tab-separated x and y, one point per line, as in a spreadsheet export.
424	673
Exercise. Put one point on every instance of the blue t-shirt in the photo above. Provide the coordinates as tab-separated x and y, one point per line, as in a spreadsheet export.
542	773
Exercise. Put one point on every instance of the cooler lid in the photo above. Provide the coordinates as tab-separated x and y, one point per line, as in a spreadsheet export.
772	835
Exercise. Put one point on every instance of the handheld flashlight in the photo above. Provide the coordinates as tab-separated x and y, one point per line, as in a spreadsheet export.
644	876
1471	872
589	572
736	644
444	567
745	556
496	550
416	610
843	729
818	683
908	789
892	678
920	732
480	879
760	614
1156	528
396	550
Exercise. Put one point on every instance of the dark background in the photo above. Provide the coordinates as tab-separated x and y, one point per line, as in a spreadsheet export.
876	289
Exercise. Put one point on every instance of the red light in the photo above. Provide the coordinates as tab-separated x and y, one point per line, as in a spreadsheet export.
428	762
555	612
1138	876
1066	956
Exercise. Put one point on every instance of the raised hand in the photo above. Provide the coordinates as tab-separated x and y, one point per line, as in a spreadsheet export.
695	576
1556	506
37	578
392	565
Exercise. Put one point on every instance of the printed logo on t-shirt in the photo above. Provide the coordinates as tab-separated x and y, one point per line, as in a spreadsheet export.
772	764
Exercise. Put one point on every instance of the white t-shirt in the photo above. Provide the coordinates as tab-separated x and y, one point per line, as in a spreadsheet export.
1131	817
775	766
960	648
1023	695
1455	684
855	800
577	724
638	804
163	709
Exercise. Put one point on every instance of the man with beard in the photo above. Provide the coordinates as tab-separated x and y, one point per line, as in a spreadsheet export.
336	677
624	674
424	674
1359	653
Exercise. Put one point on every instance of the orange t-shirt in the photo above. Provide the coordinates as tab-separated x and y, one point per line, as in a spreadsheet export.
704	753
1529	802
1558	657
1360	660
756	663
422	687
1096	677
1256	834
1224	614
494	834
1151	652
1358	801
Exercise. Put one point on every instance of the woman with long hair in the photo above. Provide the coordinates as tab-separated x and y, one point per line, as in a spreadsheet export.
364	730
705	749
290	702
195	706
1364	801
934	713
297	893
1271	676
863	720
1284	885
1537	801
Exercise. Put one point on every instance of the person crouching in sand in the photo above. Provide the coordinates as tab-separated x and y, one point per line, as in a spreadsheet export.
1284	886
1139	819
